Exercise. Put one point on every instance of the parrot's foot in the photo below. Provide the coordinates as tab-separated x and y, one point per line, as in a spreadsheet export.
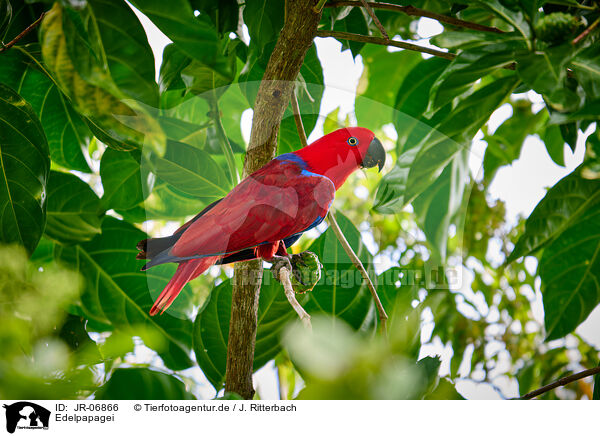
279	262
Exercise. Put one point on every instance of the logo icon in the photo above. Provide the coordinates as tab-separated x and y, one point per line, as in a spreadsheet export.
26	415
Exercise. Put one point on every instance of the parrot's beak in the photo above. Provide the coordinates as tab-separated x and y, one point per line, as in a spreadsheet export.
375	155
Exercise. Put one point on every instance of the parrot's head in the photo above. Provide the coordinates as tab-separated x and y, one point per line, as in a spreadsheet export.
340	153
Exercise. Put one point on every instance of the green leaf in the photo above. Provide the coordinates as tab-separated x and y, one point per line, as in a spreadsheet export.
164	203
411	102
117	293
195	36
66	131
224	14
514	18
570	273
74	210
341	292
374	106
397	295
545	72
264	20
128	54
211	329
453	132
81	73
555	144
441	201
354	22
192	171
586	66
125	179
24	165
5	17
567	201
142	384
504	146
469	66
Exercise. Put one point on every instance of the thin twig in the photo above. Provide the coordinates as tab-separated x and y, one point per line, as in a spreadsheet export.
319	6
375	19
586	32
358	264
298	119
383	41
21	35
284	277
224	143
411	10
561	382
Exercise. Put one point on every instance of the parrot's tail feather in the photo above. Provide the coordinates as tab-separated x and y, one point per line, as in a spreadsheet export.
186	271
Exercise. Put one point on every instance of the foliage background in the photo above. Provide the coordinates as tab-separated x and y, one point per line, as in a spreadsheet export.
97	153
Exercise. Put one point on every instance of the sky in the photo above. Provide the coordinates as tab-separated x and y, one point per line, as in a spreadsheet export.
520	185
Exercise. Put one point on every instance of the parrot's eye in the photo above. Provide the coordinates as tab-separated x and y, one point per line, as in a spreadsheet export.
352	141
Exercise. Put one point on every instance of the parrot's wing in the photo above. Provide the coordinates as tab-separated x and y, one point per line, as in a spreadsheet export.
279	200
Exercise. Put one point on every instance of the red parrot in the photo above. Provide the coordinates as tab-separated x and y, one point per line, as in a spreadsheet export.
267	212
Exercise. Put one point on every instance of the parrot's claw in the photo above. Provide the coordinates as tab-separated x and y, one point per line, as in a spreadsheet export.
279	262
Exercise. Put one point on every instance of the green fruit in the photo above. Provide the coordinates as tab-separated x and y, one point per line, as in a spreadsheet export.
306	271
556	27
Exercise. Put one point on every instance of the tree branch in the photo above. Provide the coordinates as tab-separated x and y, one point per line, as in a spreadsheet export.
298	120
416	12
383	41
284	277
375	19
561	382
21	35
358	264
273	96
586	32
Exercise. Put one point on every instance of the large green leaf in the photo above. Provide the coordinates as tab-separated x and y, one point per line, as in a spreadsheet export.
128	54
420	165
79	67
264	20
224	14
471	65
195	36
374	107
125	179
211	329
567	201
192	171
164	203
437	206
504	146
24	165
455	133
353	22
587	70
5	17
64	128
117	293
142	384
74	210
309	91
514	17
411	102
545	72
570	273
341	292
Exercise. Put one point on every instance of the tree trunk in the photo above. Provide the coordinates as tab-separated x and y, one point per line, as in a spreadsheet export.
273	96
